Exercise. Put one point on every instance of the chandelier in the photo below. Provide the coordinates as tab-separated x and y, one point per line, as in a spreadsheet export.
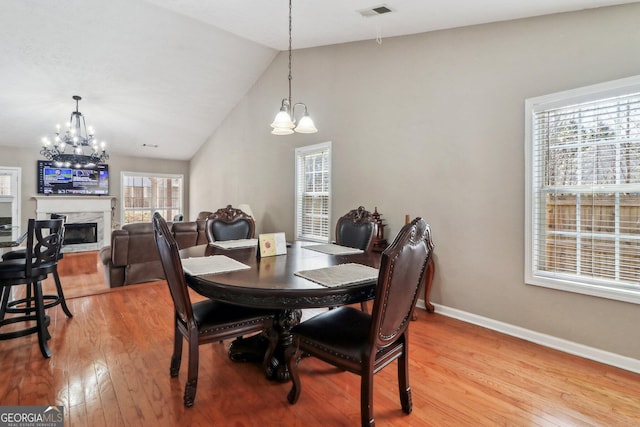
284	123
76	146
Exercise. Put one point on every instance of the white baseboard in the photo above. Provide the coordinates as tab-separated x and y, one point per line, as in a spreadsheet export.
570	347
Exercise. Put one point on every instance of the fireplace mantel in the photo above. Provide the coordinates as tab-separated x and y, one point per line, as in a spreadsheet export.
80	209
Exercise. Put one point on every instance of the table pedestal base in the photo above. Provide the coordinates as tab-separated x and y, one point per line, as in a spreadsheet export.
252	349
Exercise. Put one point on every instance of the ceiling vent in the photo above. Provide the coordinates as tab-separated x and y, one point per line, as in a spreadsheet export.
375	11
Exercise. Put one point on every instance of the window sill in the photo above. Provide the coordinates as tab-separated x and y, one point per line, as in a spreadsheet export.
618	294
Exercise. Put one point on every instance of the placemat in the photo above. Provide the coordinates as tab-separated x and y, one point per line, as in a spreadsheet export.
340	275
211	265
333	249
236	244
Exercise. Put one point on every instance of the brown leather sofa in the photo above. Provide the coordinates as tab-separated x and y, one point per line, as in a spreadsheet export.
133	256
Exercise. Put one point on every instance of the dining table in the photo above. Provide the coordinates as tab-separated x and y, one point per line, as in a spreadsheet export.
10	237
275	282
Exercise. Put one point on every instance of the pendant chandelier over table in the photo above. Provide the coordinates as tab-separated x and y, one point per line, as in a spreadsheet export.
285	123
75	146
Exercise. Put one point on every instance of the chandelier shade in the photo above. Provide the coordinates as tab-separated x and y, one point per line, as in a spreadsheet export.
285	122
76	145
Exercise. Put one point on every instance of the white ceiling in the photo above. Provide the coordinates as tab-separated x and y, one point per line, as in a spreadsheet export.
167	72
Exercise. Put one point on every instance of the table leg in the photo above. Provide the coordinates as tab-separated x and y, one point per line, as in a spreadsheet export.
431	269
428	281
286	319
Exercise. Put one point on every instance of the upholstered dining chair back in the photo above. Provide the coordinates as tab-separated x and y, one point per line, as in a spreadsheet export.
356	229
229	224
402	268
172	266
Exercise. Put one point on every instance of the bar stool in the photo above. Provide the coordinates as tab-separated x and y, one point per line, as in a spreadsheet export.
44	240
50	300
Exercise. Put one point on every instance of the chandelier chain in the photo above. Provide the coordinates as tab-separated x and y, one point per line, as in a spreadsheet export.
290	54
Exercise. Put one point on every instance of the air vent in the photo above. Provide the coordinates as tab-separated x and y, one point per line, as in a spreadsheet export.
375	11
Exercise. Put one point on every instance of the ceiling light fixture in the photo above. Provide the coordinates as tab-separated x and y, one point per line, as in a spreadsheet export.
84	149
284	123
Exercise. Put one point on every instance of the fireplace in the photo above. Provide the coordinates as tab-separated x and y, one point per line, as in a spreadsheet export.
88	218
80	233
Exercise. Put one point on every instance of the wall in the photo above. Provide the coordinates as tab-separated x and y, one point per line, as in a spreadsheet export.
26	158
432	125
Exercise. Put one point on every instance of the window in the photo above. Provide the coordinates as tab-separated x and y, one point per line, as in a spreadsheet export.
583	190
10	196
313	192
143	194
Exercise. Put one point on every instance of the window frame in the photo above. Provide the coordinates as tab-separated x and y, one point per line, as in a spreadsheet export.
300	153
533	276
15	198
123	177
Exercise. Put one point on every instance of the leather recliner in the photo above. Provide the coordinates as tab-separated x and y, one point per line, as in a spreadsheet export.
133	256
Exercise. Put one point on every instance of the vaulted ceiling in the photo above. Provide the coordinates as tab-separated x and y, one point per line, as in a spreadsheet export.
167	72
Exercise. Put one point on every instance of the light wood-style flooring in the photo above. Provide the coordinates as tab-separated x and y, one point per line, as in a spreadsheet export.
110	367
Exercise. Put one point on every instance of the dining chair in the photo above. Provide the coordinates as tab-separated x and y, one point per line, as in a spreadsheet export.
205	321
229	224
364	344
52	299
44	240
356	229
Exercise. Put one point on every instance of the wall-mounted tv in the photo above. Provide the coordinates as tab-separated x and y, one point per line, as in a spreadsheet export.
87	180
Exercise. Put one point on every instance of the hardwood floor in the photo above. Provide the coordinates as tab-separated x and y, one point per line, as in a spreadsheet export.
110	367
83	274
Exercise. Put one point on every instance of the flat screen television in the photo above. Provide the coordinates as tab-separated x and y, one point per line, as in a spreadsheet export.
88	180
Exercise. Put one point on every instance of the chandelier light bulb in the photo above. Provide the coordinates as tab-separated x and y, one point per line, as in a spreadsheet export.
282	120
282	131
306	125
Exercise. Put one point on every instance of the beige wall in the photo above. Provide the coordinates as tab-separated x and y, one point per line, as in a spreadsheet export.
432	125
26	159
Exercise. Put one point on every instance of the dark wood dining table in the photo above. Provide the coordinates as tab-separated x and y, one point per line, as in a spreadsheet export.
270	282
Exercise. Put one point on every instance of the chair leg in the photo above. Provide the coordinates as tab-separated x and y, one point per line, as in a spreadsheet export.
366	399
63	302
28	298
41	320
403	383
292	357
6	292
176	358
364	307
192	373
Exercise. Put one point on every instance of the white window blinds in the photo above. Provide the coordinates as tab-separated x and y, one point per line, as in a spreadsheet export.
585	194
313	192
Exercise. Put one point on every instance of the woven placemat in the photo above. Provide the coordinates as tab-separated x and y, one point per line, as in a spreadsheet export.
340	275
